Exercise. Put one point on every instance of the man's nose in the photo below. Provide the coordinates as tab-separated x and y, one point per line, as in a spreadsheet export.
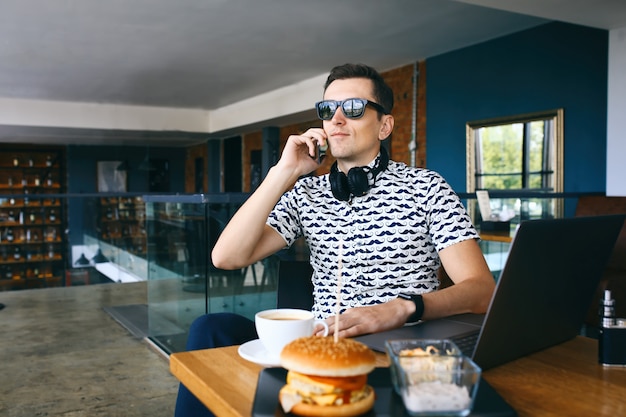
338	117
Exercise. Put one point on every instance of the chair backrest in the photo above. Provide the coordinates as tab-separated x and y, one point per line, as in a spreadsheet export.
295	288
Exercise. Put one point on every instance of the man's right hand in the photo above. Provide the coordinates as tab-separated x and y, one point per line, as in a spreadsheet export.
299	154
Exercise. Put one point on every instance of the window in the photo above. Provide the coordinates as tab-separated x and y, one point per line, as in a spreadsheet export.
519	153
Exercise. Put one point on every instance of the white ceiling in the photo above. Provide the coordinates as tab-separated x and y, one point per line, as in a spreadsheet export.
207	54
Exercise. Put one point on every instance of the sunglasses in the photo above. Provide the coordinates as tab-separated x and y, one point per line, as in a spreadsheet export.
353	108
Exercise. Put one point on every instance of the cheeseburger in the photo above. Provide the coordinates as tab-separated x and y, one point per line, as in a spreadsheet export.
327	379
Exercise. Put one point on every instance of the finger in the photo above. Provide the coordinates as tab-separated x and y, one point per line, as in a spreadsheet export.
330	322
319	330
318	135
311	143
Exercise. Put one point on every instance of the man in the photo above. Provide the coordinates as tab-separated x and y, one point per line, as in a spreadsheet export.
389	225
405	222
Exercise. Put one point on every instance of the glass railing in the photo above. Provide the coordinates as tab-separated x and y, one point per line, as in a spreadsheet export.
166	241
509	208
182	282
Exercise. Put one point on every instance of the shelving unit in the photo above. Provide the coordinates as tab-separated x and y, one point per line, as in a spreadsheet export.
121	223
32	239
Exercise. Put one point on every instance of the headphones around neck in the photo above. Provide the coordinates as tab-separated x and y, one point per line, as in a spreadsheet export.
356	183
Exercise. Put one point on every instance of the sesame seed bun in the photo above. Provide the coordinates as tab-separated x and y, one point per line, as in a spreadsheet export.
323	357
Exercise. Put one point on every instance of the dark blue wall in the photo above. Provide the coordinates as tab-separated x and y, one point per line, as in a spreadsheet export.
82	178
82	162
552	66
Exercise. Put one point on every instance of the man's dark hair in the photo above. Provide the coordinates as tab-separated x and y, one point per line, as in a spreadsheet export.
382	92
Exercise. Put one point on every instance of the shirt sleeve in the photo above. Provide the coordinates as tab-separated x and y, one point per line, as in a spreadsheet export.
284	217
449	222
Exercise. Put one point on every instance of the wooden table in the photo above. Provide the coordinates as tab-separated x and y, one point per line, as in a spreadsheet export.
565	380
496	237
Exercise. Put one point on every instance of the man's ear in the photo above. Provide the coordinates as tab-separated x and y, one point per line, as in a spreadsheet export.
386	127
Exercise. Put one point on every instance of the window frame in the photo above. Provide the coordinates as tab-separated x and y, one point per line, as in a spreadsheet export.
555	155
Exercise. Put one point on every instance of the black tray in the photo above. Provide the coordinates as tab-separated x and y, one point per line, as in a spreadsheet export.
488	402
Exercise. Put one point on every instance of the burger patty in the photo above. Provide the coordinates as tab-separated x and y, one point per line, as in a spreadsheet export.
324	391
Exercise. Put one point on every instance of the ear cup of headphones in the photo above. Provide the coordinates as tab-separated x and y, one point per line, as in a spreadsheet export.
339	184
358	182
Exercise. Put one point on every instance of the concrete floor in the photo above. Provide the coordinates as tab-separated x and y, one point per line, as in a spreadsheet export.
63	355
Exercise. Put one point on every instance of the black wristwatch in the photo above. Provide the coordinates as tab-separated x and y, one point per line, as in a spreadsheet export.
419	307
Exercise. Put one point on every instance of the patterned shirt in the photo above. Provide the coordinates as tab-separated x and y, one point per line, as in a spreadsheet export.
389	237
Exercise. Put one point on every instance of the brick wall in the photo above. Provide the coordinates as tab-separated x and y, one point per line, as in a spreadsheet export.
401	81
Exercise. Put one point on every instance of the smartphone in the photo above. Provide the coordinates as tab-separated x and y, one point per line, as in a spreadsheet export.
321	153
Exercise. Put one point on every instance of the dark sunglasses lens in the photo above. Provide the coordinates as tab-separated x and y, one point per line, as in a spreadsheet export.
353	108
326	109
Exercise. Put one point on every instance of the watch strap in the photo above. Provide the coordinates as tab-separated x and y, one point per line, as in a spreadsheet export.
419	306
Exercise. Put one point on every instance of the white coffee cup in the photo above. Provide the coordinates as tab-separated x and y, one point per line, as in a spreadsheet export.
279	326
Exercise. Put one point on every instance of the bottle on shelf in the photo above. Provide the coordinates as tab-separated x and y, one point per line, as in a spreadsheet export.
31	236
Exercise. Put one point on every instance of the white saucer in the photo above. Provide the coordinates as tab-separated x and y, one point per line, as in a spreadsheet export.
254	351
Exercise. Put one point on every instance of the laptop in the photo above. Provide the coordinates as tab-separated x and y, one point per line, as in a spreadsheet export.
542	296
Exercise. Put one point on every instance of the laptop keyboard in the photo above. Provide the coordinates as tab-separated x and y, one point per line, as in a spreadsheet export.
466	343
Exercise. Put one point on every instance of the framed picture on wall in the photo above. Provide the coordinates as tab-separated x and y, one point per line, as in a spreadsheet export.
110	179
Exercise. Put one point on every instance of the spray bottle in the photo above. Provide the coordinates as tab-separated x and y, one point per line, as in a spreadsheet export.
612	336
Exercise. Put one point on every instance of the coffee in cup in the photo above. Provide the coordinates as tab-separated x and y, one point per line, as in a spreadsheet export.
279	326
